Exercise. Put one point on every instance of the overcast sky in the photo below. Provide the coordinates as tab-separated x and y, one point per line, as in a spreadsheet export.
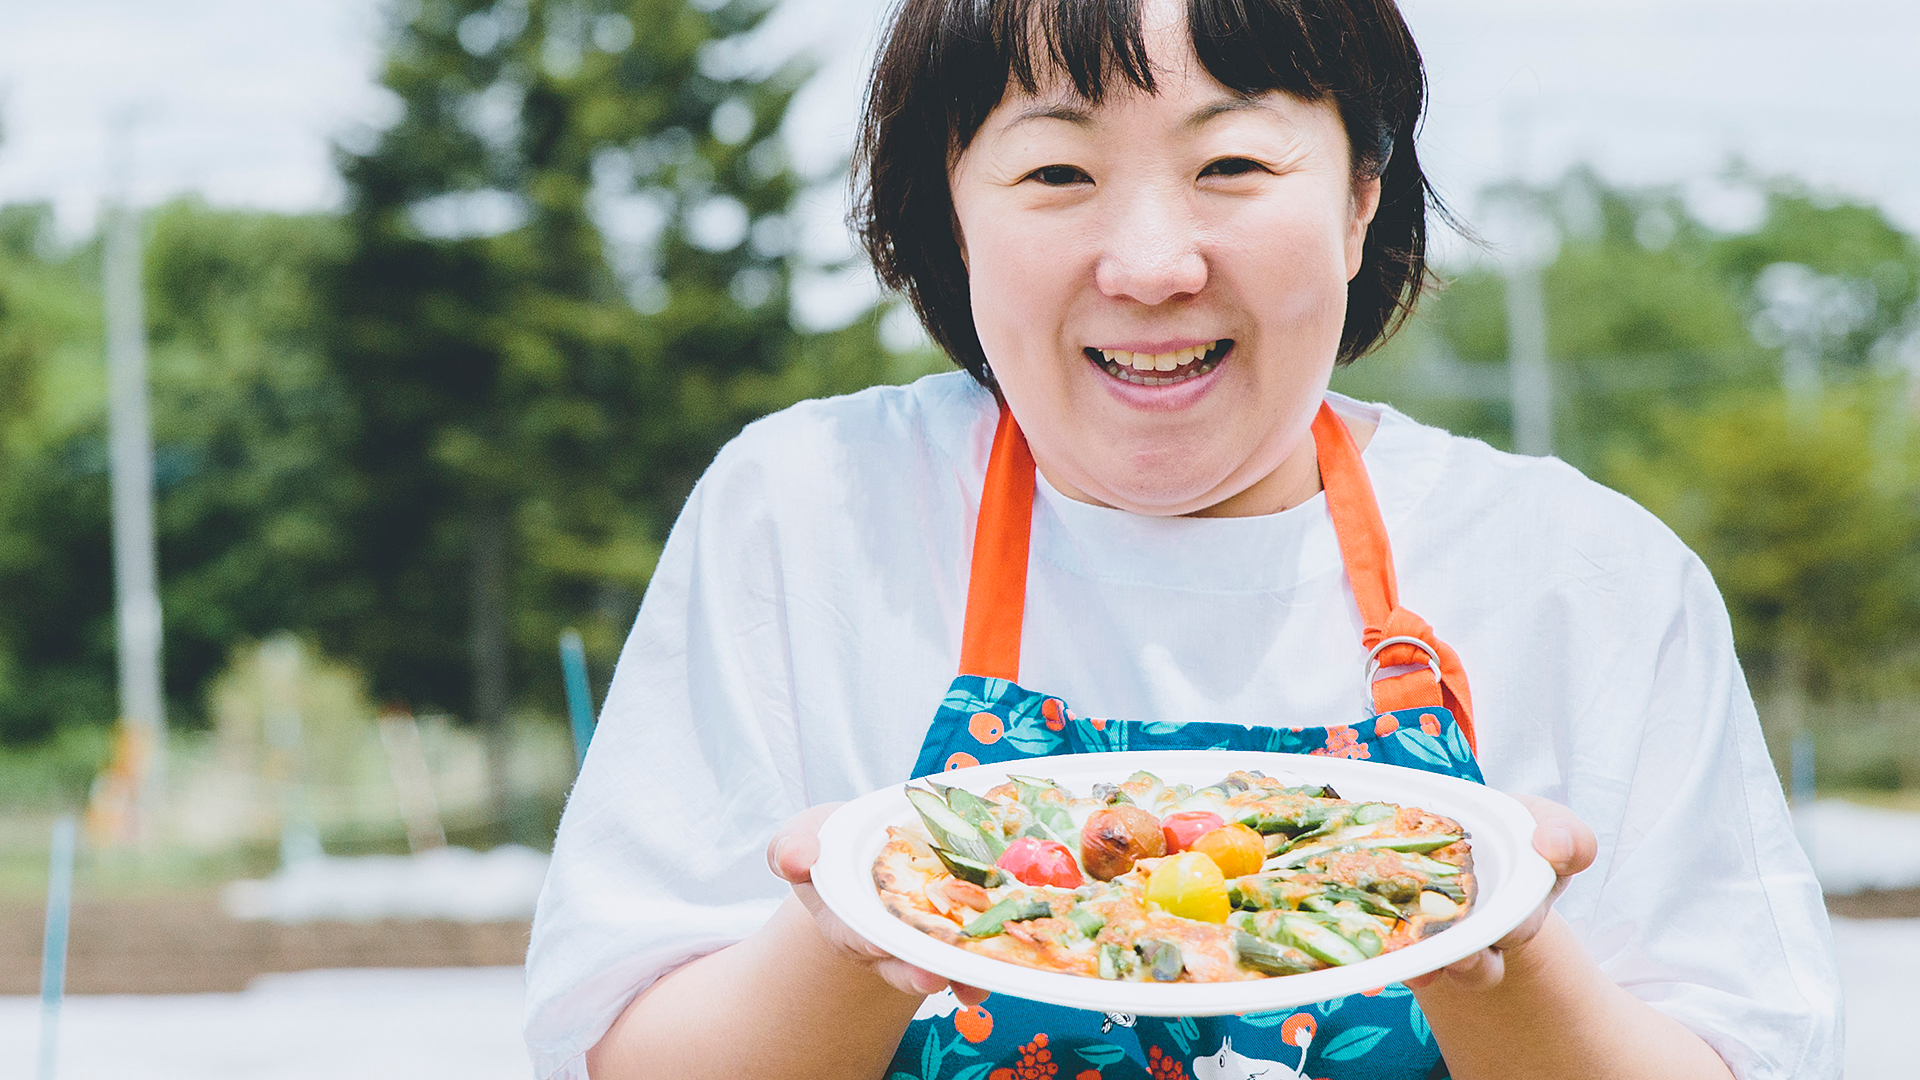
238	99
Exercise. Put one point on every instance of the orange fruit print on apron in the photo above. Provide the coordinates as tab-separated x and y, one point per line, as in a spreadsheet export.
1424	721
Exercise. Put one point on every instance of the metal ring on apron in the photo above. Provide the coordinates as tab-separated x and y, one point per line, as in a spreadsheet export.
1373	663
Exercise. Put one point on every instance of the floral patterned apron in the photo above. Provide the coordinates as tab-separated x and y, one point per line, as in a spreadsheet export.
1418	715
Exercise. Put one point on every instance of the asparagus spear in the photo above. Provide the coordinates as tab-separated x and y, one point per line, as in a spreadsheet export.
1317	940
1086	920
950	830
1328	898
977	811
966	869
1266	957
1412	844
994	920
1051	819
1162	958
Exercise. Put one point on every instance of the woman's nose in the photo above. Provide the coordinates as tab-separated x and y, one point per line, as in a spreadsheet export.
1152	253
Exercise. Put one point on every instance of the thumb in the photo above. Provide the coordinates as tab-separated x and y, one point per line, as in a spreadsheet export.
792	851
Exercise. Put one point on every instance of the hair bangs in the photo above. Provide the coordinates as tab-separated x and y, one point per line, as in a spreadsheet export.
984	46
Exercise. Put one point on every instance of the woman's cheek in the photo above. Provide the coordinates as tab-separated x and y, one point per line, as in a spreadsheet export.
1020	300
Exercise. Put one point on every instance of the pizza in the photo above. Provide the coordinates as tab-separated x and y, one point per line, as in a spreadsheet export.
1142	880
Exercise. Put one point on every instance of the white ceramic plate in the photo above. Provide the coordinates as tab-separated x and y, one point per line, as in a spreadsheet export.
1512	879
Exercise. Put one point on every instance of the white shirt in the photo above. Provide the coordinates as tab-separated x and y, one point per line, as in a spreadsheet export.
805	617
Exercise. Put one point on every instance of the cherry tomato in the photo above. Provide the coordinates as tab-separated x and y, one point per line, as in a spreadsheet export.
1190	886
1235	849
1112	839
1033	861
1183	828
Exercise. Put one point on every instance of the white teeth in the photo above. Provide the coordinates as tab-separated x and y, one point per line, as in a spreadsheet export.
1142	361
1169	361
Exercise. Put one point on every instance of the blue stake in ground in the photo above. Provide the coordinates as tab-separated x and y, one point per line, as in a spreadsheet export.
53	949
573	665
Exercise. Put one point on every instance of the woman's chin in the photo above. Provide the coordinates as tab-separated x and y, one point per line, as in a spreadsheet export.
1157	496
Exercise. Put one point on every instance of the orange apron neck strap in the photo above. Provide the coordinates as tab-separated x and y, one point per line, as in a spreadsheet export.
997	589
1394	636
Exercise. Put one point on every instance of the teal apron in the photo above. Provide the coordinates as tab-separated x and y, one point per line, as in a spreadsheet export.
1424	722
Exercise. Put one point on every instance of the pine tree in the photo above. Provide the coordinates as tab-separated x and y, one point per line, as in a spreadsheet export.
567	286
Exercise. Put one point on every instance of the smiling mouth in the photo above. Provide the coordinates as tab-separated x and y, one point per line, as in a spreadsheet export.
1163	369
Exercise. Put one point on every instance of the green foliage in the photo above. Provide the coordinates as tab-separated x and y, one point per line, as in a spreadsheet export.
1667	386
246	429
249	428
56	774
55	646
1809	523
523	359
338	400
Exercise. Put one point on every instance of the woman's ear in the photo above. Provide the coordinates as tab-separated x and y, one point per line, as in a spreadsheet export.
1366	203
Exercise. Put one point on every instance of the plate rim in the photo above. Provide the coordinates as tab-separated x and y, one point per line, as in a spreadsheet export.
853	834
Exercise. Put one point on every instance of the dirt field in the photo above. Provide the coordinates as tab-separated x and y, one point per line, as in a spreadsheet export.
186	944
1887	904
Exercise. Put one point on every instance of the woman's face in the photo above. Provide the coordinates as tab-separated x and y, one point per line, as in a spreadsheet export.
1160	282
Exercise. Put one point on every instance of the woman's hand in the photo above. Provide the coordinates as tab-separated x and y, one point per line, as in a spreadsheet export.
791	855
1569	846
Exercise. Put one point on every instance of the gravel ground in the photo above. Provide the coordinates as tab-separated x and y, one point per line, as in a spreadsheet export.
464	1023
370	1024
1877	960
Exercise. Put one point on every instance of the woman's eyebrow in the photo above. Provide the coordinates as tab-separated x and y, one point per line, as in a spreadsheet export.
1236	103
1081	115
1054	110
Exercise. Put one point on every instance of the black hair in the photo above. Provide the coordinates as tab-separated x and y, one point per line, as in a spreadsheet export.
944	65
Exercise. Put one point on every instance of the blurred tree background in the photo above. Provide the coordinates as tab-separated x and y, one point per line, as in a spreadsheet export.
1673	347
429	432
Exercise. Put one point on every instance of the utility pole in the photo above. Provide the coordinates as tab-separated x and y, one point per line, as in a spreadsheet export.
1531	380
1531	244
130	447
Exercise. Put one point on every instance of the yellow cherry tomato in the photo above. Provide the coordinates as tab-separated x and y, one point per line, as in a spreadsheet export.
1191	886
1235	849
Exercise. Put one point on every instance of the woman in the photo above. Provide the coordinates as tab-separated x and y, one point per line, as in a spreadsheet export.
1148	233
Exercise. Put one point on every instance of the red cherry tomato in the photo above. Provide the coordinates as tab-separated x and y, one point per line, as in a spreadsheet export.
1183	828
1033	861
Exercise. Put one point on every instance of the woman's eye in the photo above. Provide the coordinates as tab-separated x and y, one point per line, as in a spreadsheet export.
1230	167
1058	175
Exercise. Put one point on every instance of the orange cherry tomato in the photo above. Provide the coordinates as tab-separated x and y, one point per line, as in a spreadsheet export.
1190	886
1235	849
1183	828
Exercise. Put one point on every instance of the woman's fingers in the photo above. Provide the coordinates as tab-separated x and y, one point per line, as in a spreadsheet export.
908	979
791	855
968	995
1569	846
1477	972
1560	836
792	851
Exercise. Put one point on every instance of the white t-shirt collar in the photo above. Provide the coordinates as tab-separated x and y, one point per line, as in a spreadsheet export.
1268	553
